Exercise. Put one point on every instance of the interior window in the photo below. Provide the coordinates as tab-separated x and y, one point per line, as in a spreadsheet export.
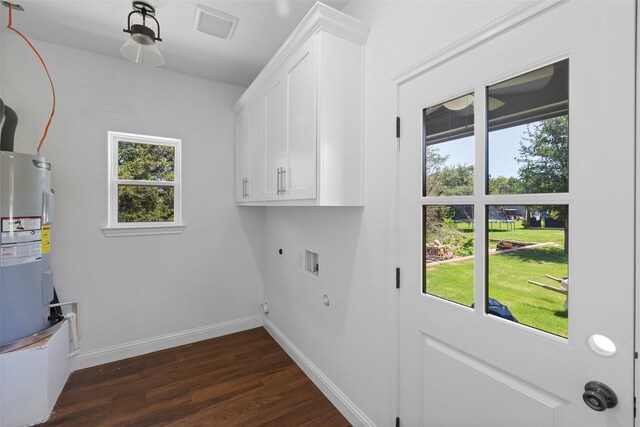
144	185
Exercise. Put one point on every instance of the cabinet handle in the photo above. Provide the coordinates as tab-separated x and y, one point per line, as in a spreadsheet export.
284	181
278	181
244	188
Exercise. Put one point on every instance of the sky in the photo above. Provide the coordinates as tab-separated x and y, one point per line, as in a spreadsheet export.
503	149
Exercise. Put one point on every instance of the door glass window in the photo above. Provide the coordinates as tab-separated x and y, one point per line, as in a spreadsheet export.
527	266
448	252
448	171
528	132
528	153
448	148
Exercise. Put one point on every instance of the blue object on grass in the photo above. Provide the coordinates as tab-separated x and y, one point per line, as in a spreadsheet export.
497	309
494	307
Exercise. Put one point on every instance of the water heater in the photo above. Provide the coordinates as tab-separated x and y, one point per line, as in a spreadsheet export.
26	279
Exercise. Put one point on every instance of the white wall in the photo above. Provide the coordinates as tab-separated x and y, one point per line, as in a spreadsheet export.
353	340
138	288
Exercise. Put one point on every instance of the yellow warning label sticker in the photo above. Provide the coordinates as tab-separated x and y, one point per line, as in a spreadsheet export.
46	239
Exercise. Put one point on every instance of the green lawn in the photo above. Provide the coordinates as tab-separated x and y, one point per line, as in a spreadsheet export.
508	275
540	235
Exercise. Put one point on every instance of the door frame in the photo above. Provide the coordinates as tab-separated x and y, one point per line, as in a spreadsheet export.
518	16
637	219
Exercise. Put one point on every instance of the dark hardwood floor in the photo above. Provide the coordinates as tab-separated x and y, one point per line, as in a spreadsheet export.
243	379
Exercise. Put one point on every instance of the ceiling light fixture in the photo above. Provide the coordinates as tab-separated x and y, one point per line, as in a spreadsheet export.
141	47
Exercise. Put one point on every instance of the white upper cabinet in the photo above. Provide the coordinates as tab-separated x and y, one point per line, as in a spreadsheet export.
256	187
275	141
300	172
299	133
250	153
243	164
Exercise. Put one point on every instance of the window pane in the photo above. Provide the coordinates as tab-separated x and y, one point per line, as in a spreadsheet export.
448	252
528	132
448	150
528	265
137	203
148	162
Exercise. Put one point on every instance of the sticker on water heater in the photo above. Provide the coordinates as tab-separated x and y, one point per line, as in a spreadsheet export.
20	240
20	254
27	223
46	239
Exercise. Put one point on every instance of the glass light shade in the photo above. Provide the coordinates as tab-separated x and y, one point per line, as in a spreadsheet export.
459	103
144	54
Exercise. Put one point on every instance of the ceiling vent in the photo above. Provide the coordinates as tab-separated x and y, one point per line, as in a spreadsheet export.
214	22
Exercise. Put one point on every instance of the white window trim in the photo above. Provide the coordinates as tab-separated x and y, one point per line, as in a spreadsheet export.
115	228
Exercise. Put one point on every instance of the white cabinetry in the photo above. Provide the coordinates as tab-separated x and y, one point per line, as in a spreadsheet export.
299	125
256	151
300	74
275	142
250	153
243	171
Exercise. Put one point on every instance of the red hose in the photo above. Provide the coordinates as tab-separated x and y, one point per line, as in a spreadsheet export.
53	90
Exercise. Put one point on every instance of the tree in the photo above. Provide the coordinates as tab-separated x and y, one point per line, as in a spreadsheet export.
544	156
433	164
145	162
504	185
442	180
456	180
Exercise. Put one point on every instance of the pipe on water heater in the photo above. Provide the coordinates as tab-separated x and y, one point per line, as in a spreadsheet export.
8	129
73	326
72	317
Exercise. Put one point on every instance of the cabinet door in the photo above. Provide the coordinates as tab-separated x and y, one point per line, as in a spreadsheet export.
243	167
275	112
301	75
255	185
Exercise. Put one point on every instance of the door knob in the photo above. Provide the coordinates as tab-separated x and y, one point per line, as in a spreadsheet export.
598	396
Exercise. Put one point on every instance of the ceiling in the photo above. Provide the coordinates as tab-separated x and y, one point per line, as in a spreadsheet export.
96	26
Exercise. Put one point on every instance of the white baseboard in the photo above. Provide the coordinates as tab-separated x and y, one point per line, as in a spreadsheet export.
162	342
340	400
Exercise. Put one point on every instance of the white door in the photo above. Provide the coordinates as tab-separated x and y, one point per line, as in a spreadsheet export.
556	93
243	166
275	113
256	184
301	150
